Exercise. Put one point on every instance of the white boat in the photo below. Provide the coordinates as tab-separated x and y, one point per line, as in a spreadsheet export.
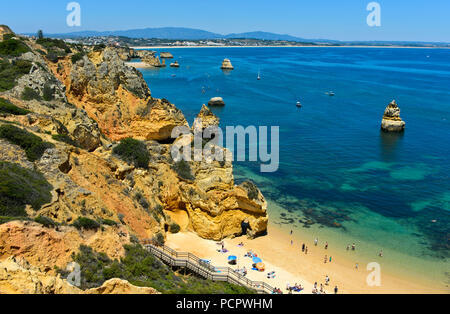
299	104
259	76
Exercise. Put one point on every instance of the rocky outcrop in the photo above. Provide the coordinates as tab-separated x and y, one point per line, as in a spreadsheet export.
216	101
153	61
166	55
205	119
17	276
5	30
47	248
118	98
119	286
226	65
391	119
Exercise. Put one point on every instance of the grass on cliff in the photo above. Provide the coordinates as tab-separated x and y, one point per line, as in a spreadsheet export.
142	269
33	145
20	187
13	47
183	169
133	152
8	107
11	71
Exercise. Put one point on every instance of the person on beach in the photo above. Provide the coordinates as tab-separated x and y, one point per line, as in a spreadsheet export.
316	241
330	259
327	280
348	247
336	290
303	247
306	250
292	242
315	285
326	246
321	288
325	259
292	232
356	266
353	247
381	253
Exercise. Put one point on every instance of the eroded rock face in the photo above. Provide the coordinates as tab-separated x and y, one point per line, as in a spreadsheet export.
166	55
17	276
47	248
391	119
118	98
5	30
205	119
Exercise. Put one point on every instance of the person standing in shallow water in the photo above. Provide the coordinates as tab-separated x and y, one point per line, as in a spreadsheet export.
316	241
326	245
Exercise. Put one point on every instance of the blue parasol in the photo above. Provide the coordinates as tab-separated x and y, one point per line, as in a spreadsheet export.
232	258
257	260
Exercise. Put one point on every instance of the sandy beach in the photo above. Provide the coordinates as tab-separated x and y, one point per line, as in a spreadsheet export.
292	266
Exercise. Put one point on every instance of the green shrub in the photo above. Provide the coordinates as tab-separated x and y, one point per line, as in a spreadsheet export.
13	47
133	152
7	107
140	198
183	169
77	57
47	93
10	72
108	222
86	223
252	190
53	43
174	228
30	94
142	269
45	221
158	239
33	145
64	138
20	187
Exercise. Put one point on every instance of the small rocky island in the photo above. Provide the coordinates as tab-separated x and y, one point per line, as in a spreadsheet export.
391	119
226	65
216	101
166	55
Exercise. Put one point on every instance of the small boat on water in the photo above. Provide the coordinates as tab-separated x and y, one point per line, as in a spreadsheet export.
299	104
259	76
330	93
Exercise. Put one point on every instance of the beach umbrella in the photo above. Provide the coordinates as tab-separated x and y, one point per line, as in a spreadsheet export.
232	258
260	266
257	260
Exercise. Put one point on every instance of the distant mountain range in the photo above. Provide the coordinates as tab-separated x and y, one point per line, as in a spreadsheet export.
181	33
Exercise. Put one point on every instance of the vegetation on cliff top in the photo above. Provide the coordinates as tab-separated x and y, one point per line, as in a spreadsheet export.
20	187
183	169
11	71
33	145
142	269
13	47
8	107
134	152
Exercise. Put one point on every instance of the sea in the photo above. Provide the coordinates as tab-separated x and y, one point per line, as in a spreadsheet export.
340	178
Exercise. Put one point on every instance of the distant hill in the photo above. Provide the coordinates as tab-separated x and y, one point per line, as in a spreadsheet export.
181	33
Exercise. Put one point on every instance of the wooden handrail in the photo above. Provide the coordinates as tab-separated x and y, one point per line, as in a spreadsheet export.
208	271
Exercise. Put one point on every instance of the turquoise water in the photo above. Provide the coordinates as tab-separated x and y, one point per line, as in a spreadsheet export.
338	172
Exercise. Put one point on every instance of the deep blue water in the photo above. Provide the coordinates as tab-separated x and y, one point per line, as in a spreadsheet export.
334	162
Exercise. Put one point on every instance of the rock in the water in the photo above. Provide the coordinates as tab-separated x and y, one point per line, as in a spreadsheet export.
205	119
166	55
391	119
216	101
226	65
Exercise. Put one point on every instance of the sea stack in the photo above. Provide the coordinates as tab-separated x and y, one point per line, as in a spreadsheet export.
391	119
166	55
226	65
216	102
205	119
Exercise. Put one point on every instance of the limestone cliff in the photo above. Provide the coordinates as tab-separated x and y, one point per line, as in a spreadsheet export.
17	276
391	119
117	97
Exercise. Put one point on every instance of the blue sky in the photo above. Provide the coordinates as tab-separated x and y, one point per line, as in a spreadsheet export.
410	20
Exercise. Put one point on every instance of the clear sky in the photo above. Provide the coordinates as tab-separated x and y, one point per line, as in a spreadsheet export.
410	20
